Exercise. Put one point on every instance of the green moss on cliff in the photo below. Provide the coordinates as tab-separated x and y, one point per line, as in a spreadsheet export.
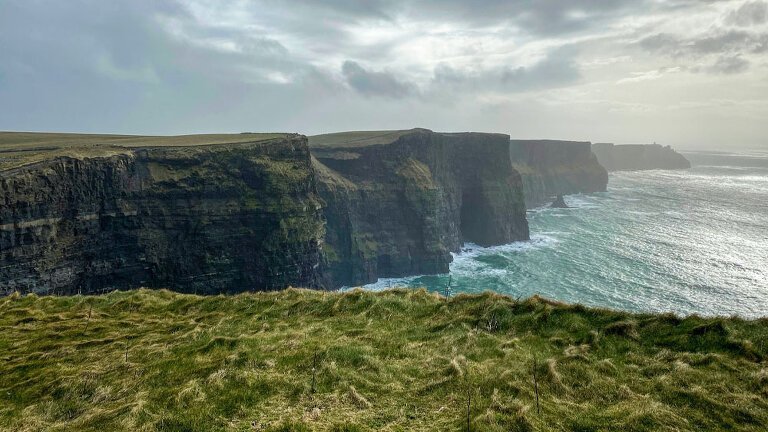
417	174
397	360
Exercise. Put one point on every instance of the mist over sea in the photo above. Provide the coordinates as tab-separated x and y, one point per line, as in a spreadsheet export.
689	241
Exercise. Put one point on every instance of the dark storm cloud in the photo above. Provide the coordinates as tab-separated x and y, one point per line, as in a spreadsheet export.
374	83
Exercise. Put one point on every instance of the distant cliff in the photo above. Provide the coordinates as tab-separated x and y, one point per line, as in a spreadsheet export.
632	157
550	168
109	212
399	202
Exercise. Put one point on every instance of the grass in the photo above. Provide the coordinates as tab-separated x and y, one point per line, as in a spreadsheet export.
24	148
300	360
358	138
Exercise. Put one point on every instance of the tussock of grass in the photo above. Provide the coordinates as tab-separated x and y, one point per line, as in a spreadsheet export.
396	360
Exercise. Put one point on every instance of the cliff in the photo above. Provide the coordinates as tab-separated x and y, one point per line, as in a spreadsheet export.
399	202
550	168
207	214
632	157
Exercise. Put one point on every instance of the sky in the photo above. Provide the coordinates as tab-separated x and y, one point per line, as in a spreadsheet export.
689	73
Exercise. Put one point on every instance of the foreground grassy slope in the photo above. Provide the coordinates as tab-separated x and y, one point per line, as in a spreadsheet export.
397	360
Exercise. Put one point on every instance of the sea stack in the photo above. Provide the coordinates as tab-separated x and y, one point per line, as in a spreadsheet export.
559	202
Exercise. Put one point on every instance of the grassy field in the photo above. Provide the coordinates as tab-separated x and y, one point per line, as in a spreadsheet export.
23	148
397	360
357	138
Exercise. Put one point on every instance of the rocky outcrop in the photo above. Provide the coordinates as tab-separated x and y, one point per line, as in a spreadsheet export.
206	219
559	202
399	202
550	168
631	157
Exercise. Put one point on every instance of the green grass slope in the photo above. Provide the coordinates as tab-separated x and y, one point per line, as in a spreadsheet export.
355	139
397	360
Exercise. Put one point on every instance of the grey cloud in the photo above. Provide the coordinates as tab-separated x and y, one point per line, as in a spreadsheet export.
89	65
749	14
728	45
661	42
557	69
731	41
147	66
729	65
549	17
375	83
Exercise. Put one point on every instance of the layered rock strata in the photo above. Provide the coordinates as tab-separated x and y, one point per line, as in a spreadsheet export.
399	202
194	218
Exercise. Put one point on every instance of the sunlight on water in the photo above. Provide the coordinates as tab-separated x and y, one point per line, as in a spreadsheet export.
692	241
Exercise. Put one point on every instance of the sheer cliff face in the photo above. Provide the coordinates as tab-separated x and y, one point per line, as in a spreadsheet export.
631	157
550	168
399	203
204	219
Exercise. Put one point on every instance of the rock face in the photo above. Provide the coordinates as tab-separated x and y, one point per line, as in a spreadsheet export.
399	202
205	219
550	168
631	157
228	213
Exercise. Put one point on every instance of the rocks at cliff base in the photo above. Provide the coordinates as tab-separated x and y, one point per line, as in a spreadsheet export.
632	157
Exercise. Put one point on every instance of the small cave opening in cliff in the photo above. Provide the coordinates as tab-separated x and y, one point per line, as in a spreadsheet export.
473	218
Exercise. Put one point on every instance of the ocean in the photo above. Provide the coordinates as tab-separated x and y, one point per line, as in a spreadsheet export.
689	242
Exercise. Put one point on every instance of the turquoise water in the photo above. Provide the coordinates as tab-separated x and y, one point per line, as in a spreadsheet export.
690	241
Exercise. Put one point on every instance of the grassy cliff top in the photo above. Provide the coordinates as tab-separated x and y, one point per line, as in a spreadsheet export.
359	138
396	360
22	148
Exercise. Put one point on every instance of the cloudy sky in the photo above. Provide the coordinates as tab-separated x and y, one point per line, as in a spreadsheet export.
690	73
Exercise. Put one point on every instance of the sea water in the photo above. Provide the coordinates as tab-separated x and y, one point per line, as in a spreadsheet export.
685	241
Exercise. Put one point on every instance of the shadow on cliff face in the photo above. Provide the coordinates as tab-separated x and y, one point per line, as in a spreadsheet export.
473	222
